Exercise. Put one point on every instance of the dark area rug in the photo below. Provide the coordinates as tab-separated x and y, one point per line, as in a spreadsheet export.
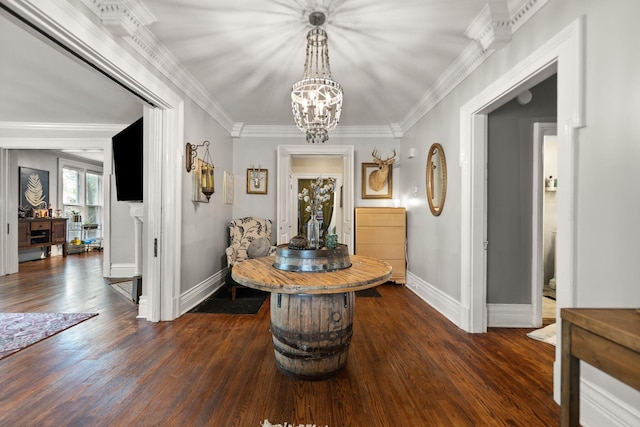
248	301
368	293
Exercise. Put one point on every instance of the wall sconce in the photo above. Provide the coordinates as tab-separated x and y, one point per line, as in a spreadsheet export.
206	171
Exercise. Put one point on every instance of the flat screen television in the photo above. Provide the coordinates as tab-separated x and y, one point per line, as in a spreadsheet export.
127	162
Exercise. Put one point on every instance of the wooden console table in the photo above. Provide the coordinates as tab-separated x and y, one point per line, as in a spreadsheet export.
42	232
311	312
608	339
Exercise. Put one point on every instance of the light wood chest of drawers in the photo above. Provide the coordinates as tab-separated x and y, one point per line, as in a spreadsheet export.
382	233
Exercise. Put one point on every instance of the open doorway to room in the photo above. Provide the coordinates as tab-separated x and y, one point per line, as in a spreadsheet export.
514	204
545	221
306	169
58	117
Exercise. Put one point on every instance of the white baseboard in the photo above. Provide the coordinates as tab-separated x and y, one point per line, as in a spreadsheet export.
201	291
143	306
122	270
598	408
510	315
443	303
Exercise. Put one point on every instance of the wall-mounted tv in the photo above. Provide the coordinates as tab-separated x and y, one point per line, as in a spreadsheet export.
127	161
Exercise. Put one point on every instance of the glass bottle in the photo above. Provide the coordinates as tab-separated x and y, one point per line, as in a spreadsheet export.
313	232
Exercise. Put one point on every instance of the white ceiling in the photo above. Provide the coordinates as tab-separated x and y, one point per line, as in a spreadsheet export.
245	54
39	84
248	53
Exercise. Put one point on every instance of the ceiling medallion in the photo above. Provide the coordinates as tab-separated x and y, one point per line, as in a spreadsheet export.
316	100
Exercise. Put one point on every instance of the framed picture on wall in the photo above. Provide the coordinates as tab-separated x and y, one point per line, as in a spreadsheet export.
34	188
376	183
257	181
227	194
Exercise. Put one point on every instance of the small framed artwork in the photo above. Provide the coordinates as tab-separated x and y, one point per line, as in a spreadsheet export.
197	194
227	194
377	183
257	181
34	188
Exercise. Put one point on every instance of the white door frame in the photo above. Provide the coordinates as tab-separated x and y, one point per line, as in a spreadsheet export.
540	130
284	203
162	199
564	54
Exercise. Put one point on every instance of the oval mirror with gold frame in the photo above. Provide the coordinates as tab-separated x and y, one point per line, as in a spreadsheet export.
436	179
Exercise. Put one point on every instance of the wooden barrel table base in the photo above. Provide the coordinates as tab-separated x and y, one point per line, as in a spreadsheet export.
311	333
311	312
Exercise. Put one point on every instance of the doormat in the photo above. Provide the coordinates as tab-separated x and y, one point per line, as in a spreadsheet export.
20	330
248	301
368	293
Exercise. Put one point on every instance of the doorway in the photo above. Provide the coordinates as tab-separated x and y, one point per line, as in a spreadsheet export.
311	161
545	223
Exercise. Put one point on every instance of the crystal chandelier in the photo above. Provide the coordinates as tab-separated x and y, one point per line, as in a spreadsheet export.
316	100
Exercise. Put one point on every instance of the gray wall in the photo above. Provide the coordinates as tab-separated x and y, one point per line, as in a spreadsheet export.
204	225
608	206
509	190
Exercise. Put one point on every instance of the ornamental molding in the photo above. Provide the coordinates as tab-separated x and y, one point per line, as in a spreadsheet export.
520	11
129	19
491	30
268	131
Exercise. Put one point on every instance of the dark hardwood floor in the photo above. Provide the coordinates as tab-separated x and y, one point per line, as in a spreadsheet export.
408	365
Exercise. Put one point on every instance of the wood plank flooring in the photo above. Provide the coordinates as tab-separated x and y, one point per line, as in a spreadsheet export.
408	365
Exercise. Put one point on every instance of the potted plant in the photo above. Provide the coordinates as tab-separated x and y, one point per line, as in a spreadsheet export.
76	217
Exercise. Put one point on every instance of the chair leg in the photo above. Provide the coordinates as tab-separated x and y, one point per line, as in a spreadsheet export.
233	293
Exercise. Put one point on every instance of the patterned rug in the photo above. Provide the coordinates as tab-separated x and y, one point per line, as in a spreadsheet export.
20	330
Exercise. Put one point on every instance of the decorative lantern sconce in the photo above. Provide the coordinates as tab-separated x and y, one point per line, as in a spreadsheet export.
206	170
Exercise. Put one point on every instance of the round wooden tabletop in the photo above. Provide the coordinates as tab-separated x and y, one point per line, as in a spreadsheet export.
260	274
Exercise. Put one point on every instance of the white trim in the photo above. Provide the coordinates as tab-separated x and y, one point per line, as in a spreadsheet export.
266	131
5	263
565	47
510	315
443	303
43	143
63	127
171	247
202	291
600	408
283	219
70	27
121	270
540	130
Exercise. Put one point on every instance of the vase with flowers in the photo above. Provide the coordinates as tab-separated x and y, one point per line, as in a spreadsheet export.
315	196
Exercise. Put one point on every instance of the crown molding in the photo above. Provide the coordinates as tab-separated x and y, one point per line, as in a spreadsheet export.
523	10
128	19
268	131
63	127
122	17
492	29
520	11
466	63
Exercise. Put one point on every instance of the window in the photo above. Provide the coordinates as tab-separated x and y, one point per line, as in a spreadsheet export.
71	191
82	193
93	198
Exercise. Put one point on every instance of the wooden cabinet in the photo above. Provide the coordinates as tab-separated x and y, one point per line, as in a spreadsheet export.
382	233
42	232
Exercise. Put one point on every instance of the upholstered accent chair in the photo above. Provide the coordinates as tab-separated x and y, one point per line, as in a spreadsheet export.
249	237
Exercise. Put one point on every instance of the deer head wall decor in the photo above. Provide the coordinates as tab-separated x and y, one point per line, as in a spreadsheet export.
378	177
256	176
